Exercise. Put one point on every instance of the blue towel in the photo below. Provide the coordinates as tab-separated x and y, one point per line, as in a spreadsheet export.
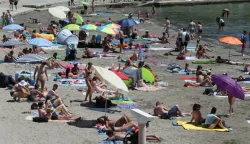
111	142
182	72
99	132
127	106
191	48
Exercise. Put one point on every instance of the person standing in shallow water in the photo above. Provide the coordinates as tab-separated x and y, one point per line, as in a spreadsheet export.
192	29
199	30
244	42
153	10
167	27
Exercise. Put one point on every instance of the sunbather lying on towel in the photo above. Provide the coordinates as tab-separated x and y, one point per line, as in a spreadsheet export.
226	61
54	114
163	39
164	113
104	120
69	74
89	54
201	53
52	63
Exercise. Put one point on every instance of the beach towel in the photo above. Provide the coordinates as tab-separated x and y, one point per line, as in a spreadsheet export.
72	82
191	58
105	141
225	96
30	118
182	72
121	101
248	121
204	61
54	47
27	73
160	49
188	126
127	106
191	81
150	88
191	48
245	80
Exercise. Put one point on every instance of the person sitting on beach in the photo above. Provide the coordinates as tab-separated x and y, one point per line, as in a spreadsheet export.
163	39
201	54
22	38
88	53
104	120
35	94
147	35
42	75
26	31
164	113
75	70
9	57
203	78
38	50
99	88
187	69
196	115
212	121
5	39
69	74
23	52
20	90
107	46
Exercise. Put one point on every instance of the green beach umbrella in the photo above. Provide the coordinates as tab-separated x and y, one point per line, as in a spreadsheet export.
72	27
79	19
88	27
84	3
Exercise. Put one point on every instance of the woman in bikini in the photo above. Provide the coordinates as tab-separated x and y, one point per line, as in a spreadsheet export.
69	74
116	123
42	75
89	73
200	54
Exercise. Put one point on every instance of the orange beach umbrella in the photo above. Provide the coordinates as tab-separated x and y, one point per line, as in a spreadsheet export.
230	40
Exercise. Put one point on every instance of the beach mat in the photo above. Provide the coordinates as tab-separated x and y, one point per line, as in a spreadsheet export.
191	48
160	49
30	118
121	101
127	106
204	61
187	78
188	126
182	72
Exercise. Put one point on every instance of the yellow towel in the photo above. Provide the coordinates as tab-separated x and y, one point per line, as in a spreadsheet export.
189	126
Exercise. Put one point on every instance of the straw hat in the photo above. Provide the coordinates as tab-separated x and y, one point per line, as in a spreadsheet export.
23	83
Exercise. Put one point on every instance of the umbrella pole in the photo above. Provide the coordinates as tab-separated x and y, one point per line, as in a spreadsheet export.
229	55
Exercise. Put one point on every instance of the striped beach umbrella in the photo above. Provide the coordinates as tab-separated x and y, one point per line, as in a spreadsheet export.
13	27
106	30
113	25
88	27
40	42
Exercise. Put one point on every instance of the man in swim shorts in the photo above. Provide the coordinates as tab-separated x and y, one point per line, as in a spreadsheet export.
192	29
164	113
11	4
199	29
244	41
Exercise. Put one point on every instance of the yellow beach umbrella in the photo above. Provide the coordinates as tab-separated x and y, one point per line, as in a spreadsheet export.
72	27
79	19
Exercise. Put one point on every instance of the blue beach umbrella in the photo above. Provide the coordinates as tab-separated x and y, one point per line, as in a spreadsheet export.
127	22
40	42
11	43
13	27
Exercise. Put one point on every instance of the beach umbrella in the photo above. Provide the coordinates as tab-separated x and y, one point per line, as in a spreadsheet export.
79	19
58	13
72	27
84	3
88	27
111	78
11	43
231	41
113	25
63	8
40	42
106	30
13	27
30	58
228	85
127	22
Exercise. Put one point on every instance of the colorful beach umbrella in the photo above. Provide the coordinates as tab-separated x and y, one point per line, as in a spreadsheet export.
88	27
13	27
228	85
113	25
79	19
230	40
72	27
40	42
106	30
84	3
127	22
57	12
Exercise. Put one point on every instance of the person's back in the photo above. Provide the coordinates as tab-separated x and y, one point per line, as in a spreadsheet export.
183	38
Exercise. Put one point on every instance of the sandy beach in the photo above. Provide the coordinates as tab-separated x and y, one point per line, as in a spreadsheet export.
16	130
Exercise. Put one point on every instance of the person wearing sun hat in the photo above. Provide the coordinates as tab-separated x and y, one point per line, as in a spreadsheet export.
19	90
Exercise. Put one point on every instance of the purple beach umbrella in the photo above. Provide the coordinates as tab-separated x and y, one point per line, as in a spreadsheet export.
228	85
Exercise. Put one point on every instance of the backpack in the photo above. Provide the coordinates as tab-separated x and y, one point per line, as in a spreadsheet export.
131	138
187	38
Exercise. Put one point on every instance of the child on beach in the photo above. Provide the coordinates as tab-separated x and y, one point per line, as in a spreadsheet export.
196	115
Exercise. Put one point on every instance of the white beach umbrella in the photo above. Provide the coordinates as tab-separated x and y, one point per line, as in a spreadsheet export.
63	8
111	78
58	13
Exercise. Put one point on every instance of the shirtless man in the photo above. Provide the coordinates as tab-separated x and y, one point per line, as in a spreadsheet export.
163	39
75	70
41	73
167	27
164	113
9	57
199	30
225	11
191	28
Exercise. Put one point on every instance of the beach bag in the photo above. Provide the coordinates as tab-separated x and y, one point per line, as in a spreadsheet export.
187	38
181	57
40	120
208	91
100	103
